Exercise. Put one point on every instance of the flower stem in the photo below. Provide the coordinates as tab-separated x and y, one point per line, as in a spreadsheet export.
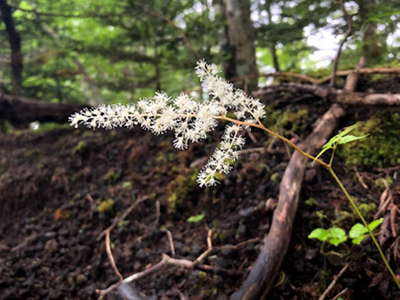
358	212
335	177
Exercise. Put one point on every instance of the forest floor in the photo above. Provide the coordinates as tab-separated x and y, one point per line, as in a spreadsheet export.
60	189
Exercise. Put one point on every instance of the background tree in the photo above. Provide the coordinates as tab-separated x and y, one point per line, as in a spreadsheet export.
15	46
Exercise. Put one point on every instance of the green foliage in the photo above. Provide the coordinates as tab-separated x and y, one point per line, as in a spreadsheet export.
359	232
341	138
336	235
105	206
180	188
81	146
382	148
196	218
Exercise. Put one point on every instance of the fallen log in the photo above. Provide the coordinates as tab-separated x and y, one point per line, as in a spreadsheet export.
335	95
22	110
317	81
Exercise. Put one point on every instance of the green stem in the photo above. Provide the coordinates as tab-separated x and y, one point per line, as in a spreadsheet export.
332	156
333	174
358	212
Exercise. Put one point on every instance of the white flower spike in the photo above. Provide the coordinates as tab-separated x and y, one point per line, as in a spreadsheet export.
190	120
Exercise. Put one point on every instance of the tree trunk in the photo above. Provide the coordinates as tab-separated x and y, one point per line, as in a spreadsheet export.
15	45
373	44
272	48
241	37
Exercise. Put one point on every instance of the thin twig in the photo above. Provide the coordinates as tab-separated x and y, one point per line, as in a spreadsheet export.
110	255
165	260
240	245
158	214
171	241
340	294
332	284
121	217
360	179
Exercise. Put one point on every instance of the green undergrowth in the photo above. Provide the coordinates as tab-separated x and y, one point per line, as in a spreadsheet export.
179	189
381	148
288	121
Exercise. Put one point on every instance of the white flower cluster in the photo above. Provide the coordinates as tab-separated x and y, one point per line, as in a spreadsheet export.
190	120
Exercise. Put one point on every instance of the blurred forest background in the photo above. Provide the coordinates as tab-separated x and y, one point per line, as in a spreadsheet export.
108	51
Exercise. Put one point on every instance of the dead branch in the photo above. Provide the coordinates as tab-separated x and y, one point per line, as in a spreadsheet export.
165	260
276	242
170	241
387	71
110	255
368	99
332	284
341	293
342	73
301	77
121	217
341	96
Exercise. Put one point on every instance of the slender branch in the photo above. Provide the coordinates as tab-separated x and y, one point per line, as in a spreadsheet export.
332	284
277	135
121	217
110	255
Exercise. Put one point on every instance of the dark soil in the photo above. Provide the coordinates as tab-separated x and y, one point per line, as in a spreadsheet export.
54	190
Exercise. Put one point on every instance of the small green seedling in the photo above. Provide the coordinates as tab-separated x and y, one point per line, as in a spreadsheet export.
336	235
196	218
359	232
341	138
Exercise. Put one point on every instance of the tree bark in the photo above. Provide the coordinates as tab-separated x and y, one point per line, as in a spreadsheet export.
373	44
15	46
241	37
21	110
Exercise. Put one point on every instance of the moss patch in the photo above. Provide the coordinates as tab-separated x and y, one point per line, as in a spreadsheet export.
179	188
380	148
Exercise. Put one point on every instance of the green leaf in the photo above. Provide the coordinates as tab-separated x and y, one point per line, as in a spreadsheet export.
319	234
341	138
196	218
350	138
357	230
357	241
374	224
336	236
